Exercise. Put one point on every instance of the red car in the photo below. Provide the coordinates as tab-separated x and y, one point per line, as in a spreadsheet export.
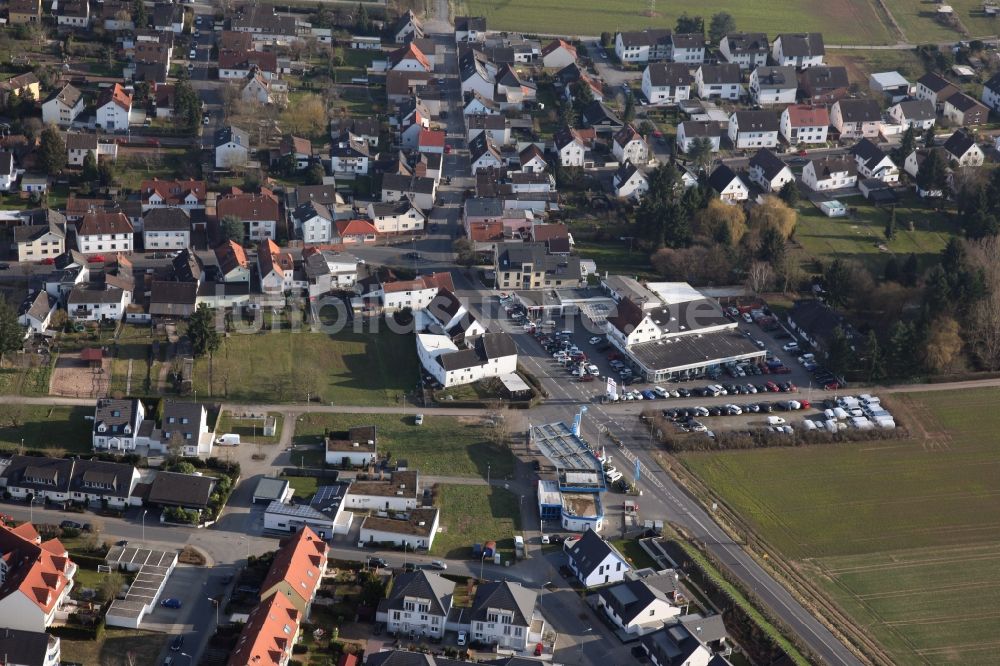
772	387
47	261
447	149
805	404
587	378
539	648
831	386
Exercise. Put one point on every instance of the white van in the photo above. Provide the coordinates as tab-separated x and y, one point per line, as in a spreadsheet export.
775	420
809	424
839	413
660	391
229	439
613	477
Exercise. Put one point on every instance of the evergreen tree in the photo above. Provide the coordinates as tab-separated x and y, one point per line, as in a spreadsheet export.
690	24
52	152
204	336
773	246
875	361
231	228
933	173
891	271
899	350
139	15
90	174
838	352
890	225
907	144
11	333
911	271
721	25
929	137
789	193
629	112
839	283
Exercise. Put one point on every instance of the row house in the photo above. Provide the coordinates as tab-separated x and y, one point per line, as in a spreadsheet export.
187	195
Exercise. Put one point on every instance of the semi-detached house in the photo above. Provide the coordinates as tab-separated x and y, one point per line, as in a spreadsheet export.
643	46
296	571
856	118
749	50
270	633
596	562
503	614
69	480
418	605
104	232
724	81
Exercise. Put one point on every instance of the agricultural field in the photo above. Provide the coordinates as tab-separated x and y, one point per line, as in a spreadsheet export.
442	446
289	366
840	21
861	235
904	535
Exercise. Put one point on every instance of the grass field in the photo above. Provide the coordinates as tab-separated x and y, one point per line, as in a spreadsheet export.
144	646
862	236
840	21
51	428
442	446
475	514
250	430
905	535
615	257
284	366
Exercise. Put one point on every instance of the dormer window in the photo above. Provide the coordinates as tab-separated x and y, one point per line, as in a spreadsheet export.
185	420
116	413
127	429
102	428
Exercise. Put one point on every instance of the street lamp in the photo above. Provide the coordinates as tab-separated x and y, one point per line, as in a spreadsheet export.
215	602
482	561
487	474
144	526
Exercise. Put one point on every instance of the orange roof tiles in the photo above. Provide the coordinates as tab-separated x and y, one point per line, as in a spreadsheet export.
410	52
117	95
172	192
431	138
104	223
268	634
299	562
38	571
803	115
355	227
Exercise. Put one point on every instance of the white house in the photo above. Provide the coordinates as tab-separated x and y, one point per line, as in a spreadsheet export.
400	492
804	124
643	46
116	424
873	163
769	171
687	48
749	50
166	229
63	107
799	50
418	605
830	173
916	113
313	222
596	562
36	312
503	614
484	153
629	146
963	149
730	187
46	573
570	147
753	129
558	54
856	118
489	355
630	182
350	156
935	89
962	110
470	29
395	217
185	426
406	27
97	302
912	167
356	446
666	83
991	93
416	529
275	268
690	130
41	241
723	81
637	607
232	147
79	144
113	108
104	232
773	85
409	58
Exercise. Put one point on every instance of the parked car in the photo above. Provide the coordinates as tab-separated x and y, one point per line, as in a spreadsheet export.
438	564
70	524
377	563
170	602
462	638
418	419
177	644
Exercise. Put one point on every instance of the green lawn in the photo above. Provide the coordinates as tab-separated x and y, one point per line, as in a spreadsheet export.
840	21
633	552
917	20
904	535
25	381
50	428
304	486
442	446
249	430
476	514
285	366
615	257
861	236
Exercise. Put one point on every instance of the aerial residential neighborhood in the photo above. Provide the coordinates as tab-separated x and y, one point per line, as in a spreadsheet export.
391	333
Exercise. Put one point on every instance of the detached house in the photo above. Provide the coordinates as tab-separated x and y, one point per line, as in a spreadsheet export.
666	83
749	50
104	232
296	148
396	217
275	268
503	614
113	108
166	229
78	145
418	605
259	212
856	118
570	148
596	562
73	14
233	264
730	187
769	171
23	86
687	48
35	312
558	54
753	129
830	173
24	11
63	107
470	29
409	58
629	146
723	81
38	577
350	156
916	113
964	111
41	241
691	130
991	93
824	85
804	124
117	424
643	46
873	163
962	148
313	222
232	147
799	50
629	182
407	27
637	607
773	85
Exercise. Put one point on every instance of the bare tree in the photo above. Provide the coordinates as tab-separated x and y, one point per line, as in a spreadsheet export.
110	585
499	425
983	325
759	276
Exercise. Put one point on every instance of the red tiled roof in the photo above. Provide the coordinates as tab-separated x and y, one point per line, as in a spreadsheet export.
104	223
38	571
266	61
482	232
355	227
299	562
248	207
438	281
268	634
803	115
117	95
173	192
557	44
231	255
410	51
235	41
546	232
431	138
271	258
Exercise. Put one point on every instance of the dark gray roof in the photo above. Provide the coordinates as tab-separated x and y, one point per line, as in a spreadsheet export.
224	135
918	109
482	144
672	645
187	266
669	74
404	658
68	95
173	299
589	552
182	417
721	178
625	171
597	113
706	629
26	648
30	232
817	319
496	345
37	306
825	78
437	590
757	121
324	194
70	475
935	82
724	73
692	40
483	207
512	256
504	596
459	360
312	209
770	77
645	37
630	597
85	294
964	102
859	110
770	163
701	129
826	166
801	44
994	83
166	219
186	490
467	23
960	142
867	152
115	414
747	42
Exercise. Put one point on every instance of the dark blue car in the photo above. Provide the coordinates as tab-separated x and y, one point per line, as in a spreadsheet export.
648	395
